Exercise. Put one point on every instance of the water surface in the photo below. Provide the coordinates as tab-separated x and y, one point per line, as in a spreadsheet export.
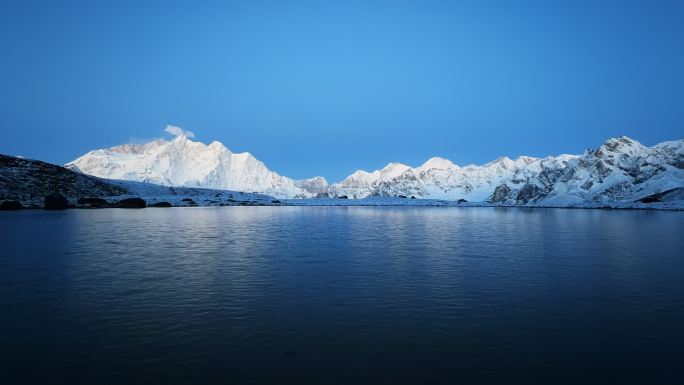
341	295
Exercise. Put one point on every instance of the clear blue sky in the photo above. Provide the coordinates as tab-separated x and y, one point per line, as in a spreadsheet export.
325	88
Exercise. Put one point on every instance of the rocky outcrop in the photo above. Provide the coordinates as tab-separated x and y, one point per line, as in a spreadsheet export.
161	204
500	194
188	202
10	204
664	196
528	193
131	203
55	202
30	181
93	202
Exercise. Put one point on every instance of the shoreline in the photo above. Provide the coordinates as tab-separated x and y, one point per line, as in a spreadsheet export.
186	202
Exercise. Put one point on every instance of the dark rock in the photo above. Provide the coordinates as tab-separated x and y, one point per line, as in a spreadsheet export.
679	162
602	169
131	203
461	201
322	195
616	192
659	197
276	201
93	202
342	197
413	197
161	204
527	193
55	202
500	194
189	202
401	196
10	204
34	179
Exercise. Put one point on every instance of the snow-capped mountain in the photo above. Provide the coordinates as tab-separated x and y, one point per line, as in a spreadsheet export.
183	162
622	169
438	178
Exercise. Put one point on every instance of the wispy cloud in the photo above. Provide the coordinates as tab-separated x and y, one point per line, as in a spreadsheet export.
177	131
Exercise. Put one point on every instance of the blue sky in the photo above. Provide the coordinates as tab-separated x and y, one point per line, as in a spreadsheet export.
325	88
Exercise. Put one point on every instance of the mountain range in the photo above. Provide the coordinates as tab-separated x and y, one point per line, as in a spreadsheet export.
620	170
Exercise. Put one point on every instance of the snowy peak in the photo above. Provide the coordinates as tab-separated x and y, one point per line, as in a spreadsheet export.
621	169
182	162
621	146
315	185
438	163
393	170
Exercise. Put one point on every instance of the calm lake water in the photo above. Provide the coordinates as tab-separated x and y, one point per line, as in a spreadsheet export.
342	295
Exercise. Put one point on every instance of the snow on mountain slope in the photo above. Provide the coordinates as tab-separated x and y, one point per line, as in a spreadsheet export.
183	162
438	178
621	170
315	185
361	183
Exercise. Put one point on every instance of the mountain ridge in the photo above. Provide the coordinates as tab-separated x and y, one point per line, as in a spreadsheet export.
620	169
186	163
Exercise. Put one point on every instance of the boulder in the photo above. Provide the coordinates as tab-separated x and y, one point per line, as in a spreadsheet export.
131	203
189	202
342	197
93	202
161	204
461	201
55	202
10	204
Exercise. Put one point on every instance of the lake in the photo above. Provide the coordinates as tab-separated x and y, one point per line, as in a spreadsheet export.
341	295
